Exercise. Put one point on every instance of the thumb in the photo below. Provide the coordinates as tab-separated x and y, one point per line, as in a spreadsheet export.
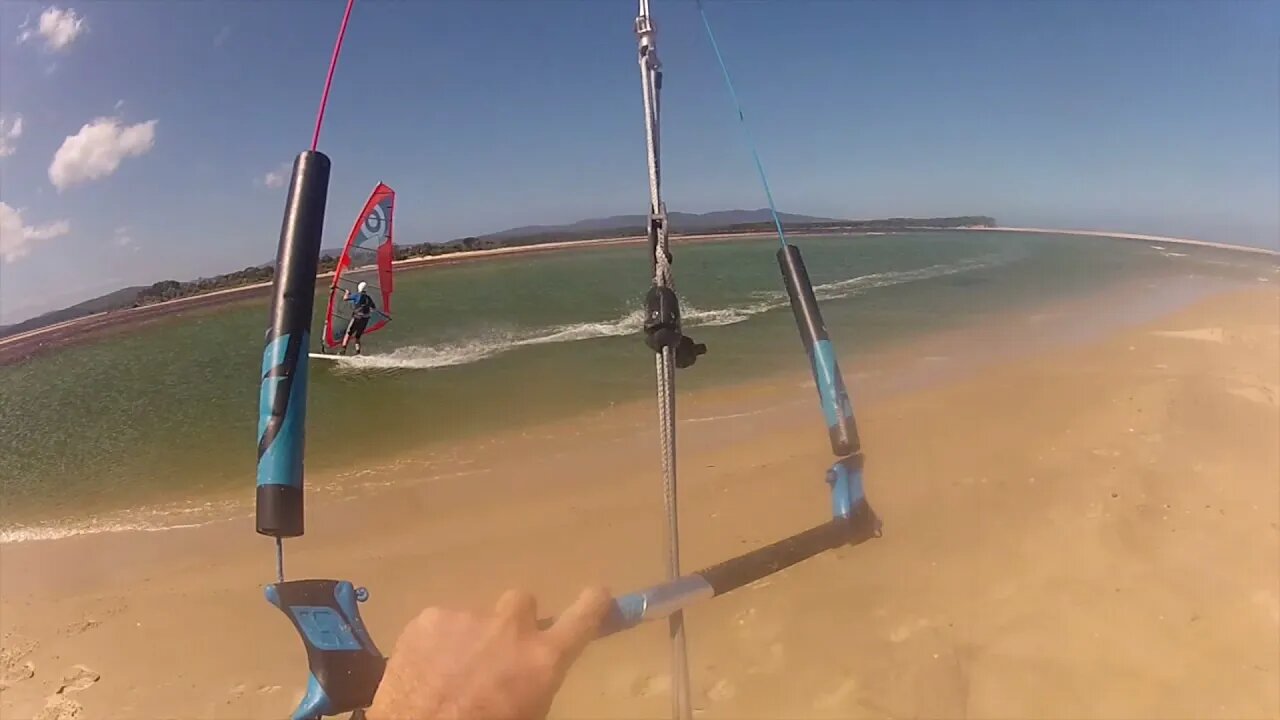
578	625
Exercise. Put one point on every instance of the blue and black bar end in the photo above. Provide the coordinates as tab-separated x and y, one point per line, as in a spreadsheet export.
837	409
282	400
845	480
346	667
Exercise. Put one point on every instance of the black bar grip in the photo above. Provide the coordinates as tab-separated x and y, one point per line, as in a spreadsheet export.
745	569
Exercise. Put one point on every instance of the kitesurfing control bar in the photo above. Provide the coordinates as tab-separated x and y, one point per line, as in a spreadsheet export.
282	401
345	665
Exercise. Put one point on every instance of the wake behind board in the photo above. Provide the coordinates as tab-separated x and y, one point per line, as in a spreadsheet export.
363	361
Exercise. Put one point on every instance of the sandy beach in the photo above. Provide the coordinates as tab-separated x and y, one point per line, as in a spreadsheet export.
1135	236
1087	531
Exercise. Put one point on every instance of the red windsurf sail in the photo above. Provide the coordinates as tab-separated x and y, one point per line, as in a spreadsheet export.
366	257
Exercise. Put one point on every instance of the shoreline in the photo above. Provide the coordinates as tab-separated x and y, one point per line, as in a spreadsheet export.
1108	485
901	365
22	346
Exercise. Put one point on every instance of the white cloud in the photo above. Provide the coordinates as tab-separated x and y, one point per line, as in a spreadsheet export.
122	238
222	36
27	33
98	149
119	105
57	27
16	237
10	130
278	177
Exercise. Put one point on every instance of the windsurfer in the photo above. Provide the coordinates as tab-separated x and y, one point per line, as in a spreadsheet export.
362	307
369	244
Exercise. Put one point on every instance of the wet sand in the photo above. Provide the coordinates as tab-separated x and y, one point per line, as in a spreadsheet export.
1080	532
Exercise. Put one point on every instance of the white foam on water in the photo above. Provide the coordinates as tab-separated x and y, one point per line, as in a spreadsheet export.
177	516
153	519
841	289
465	353
695	317
420	357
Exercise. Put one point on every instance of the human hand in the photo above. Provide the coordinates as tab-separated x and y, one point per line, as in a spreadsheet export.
461	666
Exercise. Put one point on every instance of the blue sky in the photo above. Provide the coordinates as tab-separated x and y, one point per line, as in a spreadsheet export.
1157	117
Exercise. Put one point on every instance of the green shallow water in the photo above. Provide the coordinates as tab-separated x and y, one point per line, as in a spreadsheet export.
167	411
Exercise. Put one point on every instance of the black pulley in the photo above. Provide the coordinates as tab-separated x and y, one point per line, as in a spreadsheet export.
662	327
661	318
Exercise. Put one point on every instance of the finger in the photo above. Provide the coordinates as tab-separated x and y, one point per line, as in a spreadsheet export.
518	608
578	625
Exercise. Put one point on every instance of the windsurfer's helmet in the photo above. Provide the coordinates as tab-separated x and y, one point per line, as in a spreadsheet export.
361	286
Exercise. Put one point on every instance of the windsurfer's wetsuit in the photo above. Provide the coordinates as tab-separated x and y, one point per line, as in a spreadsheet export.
362	307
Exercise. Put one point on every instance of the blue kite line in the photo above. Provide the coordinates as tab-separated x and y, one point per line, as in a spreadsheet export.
742	118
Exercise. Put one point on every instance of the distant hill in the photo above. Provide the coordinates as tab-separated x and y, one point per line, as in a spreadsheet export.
333	252
122	298
680	222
